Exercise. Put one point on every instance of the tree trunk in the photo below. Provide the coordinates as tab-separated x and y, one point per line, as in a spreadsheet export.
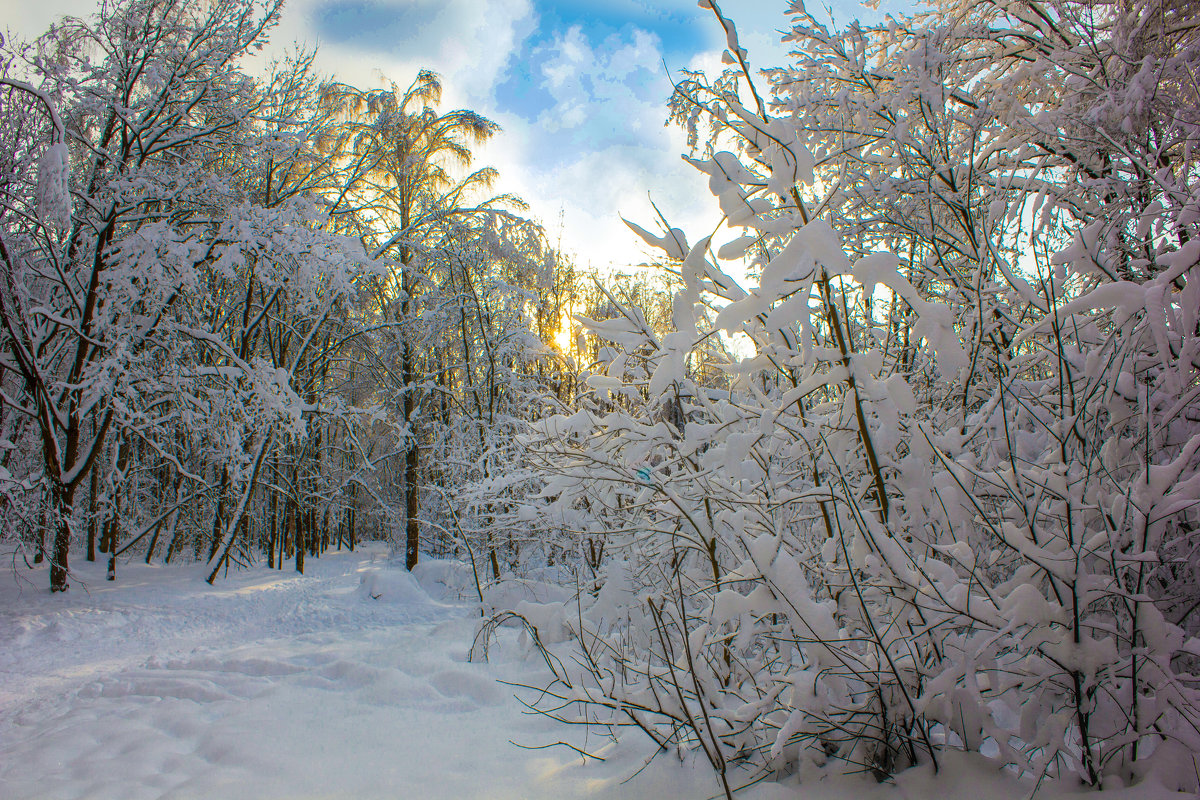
219	517
91	539
412	455
297	536
62	498
274	528
325	529
411	503
317	533
39	554
153	542
412	463
351	512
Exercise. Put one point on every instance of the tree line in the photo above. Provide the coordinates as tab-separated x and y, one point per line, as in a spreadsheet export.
253	316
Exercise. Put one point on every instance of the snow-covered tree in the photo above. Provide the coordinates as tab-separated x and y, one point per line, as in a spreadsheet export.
447	242
116	327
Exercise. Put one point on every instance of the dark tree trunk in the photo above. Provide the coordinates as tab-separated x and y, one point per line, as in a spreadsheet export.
316	535
91	539
351	511
325	530
219	517
412	456
274	528
153	542
412	464
112	533
39	554
298	537
62	498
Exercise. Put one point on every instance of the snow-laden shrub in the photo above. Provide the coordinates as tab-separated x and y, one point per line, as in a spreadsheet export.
969	522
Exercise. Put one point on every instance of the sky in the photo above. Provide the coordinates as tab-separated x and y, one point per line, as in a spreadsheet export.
579	88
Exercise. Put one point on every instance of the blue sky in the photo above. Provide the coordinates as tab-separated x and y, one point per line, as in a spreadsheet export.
578	86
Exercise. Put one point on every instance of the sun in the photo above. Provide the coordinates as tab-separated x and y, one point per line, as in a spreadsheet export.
564	336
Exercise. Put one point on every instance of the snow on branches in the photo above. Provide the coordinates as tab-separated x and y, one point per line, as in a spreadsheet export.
951	498
54	187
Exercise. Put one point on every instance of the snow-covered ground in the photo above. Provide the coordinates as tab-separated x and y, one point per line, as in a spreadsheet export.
349	682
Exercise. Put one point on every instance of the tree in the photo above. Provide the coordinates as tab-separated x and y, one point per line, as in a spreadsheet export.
411	203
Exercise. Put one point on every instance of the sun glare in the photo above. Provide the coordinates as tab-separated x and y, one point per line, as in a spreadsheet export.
564	336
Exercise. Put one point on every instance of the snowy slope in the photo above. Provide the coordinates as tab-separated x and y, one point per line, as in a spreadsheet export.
348	682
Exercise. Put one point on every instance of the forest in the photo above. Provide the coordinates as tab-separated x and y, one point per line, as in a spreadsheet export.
902	459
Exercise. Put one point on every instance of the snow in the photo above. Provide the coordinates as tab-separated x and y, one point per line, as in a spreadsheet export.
54	187
348	682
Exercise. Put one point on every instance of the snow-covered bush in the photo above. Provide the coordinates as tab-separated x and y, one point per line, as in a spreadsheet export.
951	499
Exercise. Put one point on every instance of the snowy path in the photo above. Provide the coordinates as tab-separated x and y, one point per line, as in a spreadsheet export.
273	685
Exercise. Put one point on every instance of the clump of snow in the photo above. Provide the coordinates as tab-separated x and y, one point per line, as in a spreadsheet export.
54	187
446	579
510	593
548	619
391	586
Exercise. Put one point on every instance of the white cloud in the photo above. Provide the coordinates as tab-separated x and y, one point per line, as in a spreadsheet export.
595	150
600	146
467	41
